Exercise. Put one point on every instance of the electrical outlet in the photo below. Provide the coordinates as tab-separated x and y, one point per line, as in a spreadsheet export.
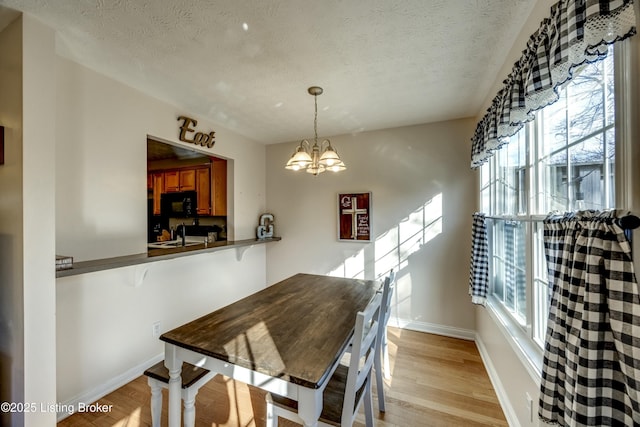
155	329
529	406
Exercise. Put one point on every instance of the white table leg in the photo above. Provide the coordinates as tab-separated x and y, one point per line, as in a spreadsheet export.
174	365
190	407
156	401
309	405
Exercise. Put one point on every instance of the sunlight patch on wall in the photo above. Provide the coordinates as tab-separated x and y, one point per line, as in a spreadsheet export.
393	248
352	267
386	250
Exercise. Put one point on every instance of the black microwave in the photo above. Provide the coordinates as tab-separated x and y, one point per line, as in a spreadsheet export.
182	204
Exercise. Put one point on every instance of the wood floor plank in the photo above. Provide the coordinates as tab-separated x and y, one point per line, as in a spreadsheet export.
436	381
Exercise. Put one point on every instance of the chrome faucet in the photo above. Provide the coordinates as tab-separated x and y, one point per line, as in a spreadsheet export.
184	232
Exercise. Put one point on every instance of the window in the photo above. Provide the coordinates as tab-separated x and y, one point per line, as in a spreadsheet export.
563	160
576	143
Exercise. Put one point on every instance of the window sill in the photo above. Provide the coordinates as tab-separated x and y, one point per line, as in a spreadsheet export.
529	353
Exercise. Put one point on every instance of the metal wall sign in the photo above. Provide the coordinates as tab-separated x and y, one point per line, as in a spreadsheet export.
199	138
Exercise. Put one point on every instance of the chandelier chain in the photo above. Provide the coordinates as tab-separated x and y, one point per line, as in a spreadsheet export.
315	119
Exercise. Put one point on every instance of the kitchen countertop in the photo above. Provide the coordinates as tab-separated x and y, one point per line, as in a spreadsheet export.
154	255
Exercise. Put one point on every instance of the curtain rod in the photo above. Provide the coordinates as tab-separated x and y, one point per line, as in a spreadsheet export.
627	222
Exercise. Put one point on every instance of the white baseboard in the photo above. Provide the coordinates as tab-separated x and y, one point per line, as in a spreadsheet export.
102	390
432	328
503	397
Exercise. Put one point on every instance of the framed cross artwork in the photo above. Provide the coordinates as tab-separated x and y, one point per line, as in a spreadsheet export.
354	217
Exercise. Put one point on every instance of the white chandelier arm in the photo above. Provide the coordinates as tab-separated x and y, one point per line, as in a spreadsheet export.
319	157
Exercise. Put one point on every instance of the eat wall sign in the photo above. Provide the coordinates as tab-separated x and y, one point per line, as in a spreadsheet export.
198	138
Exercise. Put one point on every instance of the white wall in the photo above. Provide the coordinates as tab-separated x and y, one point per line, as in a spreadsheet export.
27	320
38	151
423	195
11	271
101	195
105	319
514	384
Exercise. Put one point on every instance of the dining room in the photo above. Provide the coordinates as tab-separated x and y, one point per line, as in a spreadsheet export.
75	120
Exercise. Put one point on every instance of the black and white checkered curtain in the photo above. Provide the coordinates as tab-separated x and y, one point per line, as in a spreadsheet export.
577	31
591	368
479	271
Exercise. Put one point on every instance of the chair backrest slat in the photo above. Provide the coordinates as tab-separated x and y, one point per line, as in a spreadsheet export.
365	338
387	294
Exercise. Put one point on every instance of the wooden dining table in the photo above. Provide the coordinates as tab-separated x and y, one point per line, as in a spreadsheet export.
287	339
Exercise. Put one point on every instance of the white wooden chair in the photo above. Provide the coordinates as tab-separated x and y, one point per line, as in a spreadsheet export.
193	378
349	386
381	361
382	352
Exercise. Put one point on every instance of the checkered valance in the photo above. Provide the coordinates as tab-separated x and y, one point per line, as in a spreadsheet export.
577	31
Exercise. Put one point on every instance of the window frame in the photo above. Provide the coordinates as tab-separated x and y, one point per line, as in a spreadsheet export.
526	341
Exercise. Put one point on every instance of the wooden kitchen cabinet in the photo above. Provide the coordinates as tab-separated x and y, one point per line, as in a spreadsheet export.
157	181
187	179
219	187
209	181
171	181
180	180
203	187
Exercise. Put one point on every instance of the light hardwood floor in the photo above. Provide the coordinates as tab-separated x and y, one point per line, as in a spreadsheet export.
436	381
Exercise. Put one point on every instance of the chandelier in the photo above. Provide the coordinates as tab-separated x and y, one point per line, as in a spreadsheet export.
319	157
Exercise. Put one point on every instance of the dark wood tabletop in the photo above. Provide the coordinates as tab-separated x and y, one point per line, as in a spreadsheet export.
294	330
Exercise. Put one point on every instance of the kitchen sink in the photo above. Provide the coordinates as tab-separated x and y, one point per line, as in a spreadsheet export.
172	244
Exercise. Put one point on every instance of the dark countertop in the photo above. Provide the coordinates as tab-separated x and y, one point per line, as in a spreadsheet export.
154	255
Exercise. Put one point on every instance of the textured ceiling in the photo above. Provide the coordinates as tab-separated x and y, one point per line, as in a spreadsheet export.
246	65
